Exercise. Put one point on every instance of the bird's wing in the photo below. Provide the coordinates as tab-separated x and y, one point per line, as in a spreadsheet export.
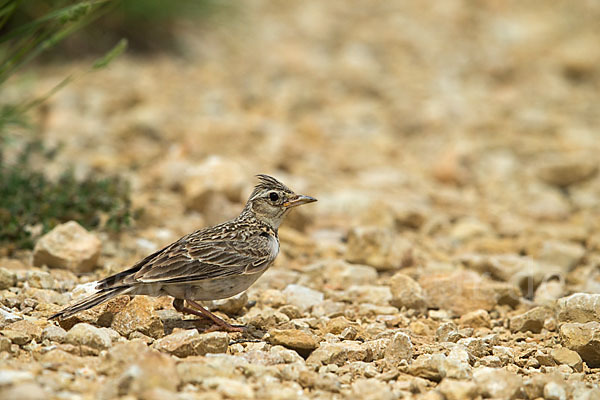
189	260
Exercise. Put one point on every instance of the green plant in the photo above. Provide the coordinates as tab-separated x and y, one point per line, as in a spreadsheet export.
148	25
30	202
28	39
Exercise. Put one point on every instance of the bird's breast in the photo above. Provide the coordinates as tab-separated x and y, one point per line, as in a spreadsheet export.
273	243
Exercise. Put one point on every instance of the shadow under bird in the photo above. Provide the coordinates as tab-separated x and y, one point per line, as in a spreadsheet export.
213	263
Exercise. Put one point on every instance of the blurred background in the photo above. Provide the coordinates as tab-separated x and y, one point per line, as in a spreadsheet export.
453	146
462	126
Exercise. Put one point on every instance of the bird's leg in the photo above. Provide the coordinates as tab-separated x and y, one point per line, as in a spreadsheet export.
219	325
178	305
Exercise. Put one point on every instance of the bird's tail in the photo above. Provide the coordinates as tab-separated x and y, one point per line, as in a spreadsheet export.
91	301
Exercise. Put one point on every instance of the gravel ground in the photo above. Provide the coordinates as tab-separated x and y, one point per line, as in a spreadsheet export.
454	252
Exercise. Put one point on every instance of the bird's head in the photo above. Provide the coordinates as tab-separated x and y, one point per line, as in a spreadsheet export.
271	200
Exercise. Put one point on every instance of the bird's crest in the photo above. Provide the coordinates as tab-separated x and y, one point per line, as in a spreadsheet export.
266	182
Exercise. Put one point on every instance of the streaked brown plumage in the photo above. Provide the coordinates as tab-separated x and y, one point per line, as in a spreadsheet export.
212	263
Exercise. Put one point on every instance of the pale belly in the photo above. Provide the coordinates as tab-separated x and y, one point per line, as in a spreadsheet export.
212	289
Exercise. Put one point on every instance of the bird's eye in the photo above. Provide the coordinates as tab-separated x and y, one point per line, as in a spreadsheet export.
273	196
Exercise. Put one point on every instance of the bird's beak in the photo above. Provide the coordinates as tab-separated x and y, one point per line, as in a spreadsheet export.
298	201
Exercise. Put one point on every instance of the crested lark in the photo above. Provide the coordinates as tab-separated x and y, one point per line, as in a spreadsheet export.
212	263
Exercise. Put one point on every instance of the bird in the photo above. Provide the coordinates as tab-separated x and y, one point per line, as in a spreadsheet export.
211	263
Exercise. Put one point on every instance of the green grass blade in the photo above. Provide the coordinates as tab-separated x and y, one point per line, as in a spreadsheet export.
6	10
64	15
29	52
111	55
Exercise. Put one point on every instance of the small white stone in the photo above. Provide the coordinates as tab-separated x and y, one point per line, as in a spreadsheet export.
579	307
497	382
88	335
8	317
69	246
554	391
302	297
11	377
